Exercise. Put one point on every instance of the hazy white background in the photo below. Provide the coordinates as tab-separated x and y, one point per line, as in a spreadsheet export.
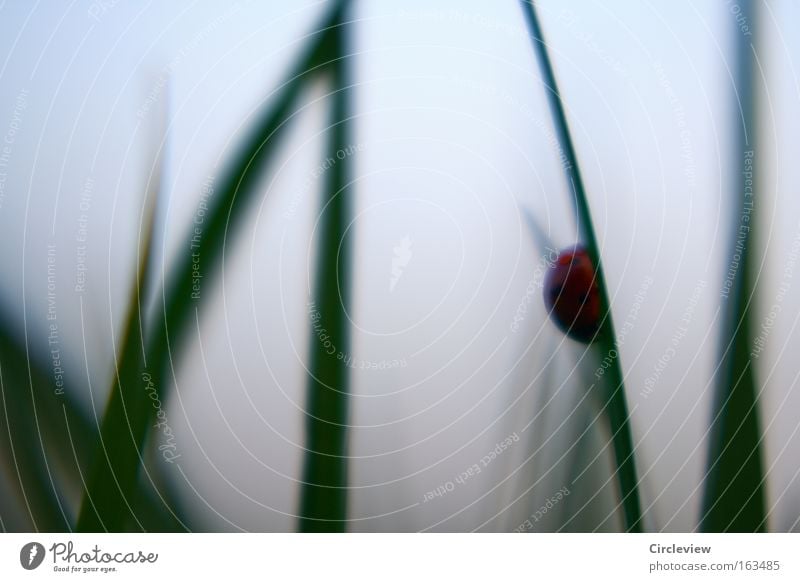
454	141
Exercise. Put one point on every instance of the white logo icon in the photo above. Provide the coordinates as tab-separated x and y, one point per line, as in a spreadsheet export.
402	256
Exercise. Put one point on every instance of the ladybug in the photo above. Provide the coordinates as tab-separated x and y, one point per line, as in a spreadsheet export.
571	294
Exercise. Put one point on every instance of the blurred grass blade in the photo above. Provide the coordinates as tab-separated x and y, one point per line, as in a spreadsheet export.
614	394
323	505
734	497
154	509
111	485
543	243
44	435
126	425
24	456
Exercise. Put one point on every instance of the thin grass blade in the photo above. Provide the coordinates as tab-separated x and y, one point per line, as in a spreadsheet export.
44	435
126	427
614	389
734	497
324	493
112	482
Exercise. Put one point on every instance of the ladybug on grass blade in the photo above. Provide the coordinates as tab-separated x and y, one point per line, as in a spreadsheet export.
571	294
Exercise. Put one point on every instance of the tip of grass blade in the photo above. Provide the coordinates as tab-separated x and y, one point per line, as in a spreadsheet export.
111	491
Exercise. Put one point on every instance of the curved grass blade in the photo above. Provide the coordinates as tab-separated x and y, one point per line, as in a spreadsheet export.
605	341
734	496
40	424
127	426
323	505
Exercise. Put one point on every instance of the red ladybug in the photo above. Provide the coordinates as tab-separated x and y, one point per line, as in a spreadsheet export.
571	294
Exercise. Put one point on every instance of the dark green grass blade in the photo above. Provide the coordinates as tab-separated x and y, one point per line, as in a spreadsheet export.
323	505
109	500
155	510
127	428
39	426
605	342
734	497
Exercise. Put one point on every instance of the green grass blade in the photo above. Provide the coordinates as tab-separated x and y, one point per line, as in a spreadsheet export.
112	482
39	425
615	389
323	505
45	436
734	496
126	426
